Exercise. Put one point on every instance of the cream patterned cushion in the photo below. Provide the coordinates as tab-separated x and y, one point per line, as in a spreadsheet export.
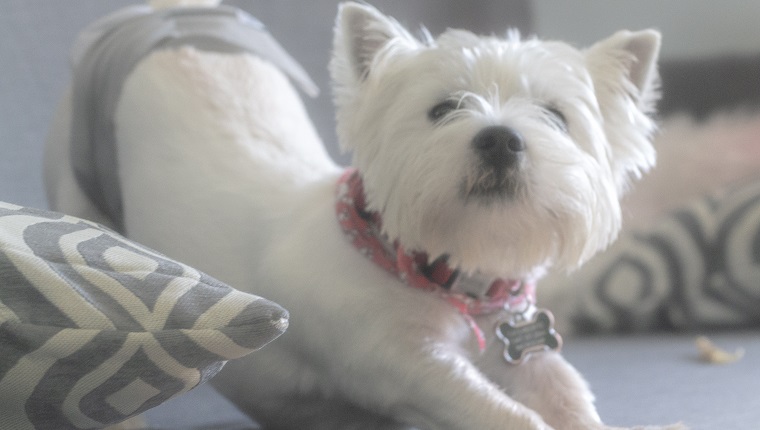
95	328
695	269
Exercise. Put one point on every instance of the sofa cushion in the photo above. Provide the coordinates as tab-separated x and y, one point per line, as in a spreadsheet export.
95	328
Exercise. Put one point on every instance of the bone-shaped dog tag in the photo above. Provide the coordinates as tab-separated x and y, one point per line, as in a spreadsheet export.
524	338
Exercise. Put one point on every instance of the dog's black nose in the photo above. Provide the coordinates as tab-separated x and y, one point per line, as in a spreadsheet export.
499	146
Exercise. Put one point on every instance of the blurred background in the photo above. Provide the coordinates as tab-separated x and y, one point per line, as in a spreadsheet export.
711	54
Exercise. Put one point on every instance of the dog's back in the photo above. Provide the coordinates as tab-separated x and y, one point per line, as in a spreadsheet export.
196	132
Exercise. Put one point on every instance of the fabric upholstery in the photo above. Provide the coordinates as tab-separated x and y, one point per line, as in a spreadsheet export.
695	269
95	328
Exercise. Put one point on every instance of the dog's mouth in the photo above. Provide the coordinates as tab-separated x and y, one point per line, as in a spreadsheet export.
490	184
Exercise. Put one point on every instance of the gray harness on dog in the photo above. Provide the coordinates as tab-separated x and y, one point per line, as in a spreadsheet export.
107	51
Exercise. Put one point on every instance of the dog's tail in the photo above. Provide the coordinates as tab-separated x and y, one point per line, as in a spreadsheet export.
162	4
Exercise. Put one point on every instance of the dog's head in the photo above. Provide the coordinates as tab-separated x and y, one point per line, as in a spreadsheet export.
507	155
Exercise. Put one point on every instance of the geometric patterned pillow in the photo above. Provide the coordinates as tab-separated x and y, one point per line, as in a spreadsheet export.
95	328
696	269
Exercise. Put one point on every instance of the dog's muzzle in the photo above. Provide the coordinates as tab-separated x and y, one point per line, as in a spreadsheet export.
499	147
500	151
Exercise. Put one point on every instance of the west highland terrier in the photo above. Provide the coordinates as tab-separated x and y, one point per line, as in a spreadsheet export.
479	163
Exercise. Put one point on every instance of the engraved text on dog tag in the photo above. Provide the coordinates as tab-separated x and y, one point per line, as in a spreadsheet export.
526	337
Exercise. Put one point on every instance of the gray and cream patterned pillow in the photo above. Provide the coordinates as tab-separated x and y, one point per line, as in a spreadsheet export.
697	268
95	328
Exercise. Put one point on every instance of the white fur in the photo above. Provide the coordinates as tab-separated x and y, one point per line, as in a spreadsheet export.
570	208
221	169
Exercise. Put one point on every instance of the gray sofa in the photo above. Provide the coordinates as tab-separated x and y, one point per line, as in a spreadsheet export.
641	379
645	378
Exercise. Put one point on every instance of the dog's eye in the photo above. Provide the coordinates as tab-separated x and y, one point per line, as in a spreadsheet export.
439	111
556	117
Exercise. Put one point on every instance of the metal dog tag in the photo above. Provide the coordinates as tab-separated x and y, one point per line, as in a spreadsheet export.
527	337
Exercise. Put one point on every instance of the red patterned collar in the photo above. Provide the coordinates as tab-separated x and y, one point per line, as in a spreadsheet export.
364	229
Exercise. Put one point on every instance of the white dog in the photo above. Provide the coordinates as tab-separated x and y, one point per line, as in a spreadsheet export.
479	163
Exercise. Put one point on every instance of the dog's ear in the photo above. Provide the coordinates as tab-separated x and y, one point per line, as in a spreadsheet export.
361	32
645	47
637	54
626	83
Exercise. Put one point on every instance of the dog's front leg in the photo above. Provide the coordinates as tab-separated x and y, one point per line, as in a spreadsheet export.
547	384
440	388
